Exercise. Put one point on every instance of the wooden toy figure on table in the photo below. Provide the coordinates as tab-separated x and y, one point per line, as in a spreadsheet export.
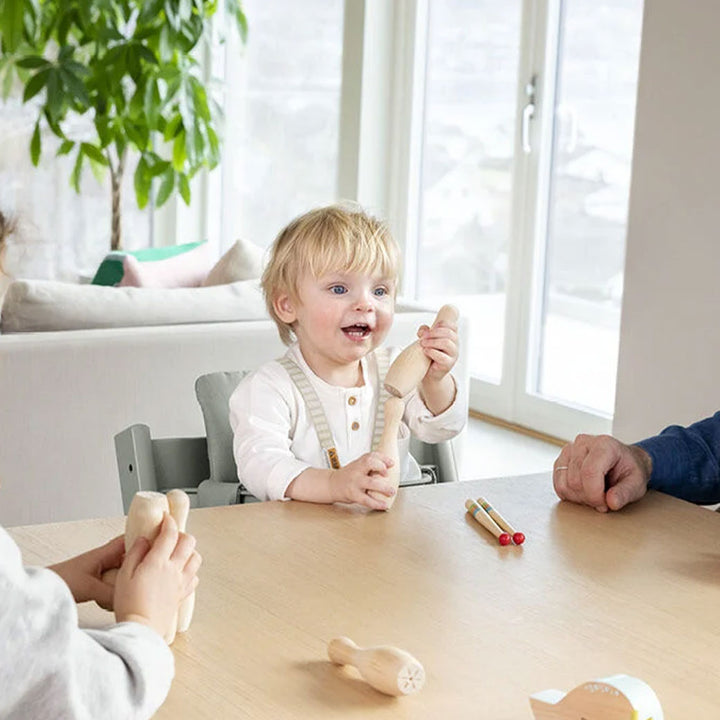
388	669
311	425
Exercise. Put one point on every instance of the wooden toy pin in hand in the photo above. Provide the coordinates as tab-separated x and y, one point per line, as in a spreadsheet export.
144	518
388	669
410	366
618	697
405	373
388	445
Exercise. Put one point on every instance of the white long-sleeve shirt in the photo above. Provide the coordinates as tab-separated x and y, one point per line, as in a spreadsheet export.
274	438
50	668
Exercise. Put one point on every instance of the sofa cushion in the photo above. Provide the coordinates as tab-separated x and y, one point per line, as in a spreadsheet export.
213	392
110	271
243	261
187	269
42	305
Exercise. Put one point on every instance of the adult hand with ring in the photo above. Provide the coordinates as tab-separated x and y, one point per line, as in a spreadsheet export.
602	472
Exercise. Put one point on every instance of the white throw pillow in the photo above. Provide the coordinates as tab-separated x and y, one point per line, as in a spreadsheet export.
46	305
243	261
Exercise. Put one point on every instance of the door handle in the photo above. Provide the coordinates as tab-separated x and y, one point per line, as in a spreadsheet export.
528	113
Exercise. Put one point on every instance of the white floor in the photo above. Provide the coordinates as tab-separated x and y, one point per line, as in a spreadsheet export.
490	451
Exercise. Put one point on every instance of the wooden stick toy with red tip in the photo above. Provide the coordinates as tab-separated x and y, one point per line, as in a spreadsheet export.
518	537
487	522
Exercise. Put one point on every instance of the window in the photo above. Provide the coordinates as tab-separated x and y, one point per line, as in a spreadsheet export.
282	110
526	147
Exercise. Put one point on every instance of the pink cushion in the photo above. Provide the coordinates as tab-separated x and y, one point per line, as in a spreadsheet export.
187	269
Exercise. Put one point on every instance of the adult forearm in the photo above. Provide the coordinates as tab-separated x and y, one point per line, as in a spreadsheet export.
686	461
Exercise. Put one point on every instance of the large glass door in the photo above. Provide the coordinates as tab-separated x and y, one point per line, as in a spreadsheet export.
468	147
526	153
574	358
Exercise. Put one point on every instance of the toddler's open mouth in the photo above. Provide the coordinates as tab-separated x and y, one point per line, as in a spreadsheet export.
357	332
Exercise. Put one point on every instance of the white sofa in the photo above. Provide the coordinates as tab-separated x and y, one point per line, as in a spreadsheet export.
64	395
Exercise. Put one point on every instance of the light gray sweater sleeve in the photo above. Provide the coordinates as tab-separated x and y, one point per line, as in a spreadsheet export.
50	668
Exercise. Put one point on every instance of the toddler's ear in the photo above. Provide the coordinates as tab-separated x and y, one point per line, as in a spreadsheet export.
285	308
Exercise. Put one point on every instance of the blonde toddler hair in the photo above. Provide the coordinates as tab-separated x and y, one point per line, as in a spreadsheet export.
327	239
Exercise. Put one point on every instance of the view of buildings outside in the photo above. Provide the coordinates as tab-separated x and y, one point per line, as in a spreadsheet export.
283	116
470	121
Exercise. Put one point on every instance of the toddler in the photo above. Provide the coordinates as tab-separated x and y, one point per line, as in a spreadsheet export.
305	425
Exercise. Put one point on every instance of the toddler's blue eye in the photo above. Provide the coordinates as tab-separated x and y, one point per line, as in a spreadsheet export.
338	290
380	292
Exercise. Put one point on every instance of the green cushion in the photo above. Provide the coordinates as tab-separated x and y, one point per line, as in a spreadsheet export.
213	392
110	271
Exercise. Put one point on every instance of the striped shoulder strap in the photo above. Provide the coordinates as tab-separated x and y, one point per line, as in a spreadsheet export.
382	364
315	409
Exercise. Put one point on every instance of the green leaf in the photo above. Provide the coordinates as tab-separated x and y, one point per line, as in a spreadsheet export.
137	133
36	84
7	82
32	62
65	147
214	148
77	171
233	9
55	98
166	188
157	166
75	87
146	54
172	128
94	153
184	187
54	126
179	155
97	170
64	25
152	102
35	144
199	99
165	49
143	182
11	22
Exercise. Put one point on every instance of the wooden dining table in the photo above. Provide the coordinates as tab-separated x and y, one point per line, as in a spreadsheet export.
588	595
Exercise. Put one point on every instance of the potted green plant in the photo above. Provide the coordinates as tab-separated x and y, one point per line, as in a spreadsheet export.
129	66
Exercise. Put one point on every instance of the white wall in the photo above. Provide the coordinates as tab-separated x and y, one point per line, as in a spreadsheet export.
669	361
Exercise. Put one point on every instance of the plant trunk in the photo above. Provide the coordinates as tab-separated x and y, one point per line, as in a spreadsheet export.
116	175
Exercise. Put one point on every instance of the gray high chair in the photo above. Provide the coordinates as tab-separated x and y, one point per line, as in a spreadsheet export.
205	467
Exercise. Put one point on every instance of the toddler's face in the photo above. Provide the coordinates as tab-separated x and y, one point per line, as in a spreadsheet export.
342	316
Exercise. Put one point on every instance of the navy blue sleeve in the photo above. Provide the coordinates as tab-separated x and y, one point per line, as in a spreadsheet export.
686	461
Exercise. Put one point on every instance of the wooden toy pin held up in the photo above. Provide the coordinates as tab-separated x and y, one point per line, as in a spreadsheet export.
388	669
404	374
410	366
618	697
